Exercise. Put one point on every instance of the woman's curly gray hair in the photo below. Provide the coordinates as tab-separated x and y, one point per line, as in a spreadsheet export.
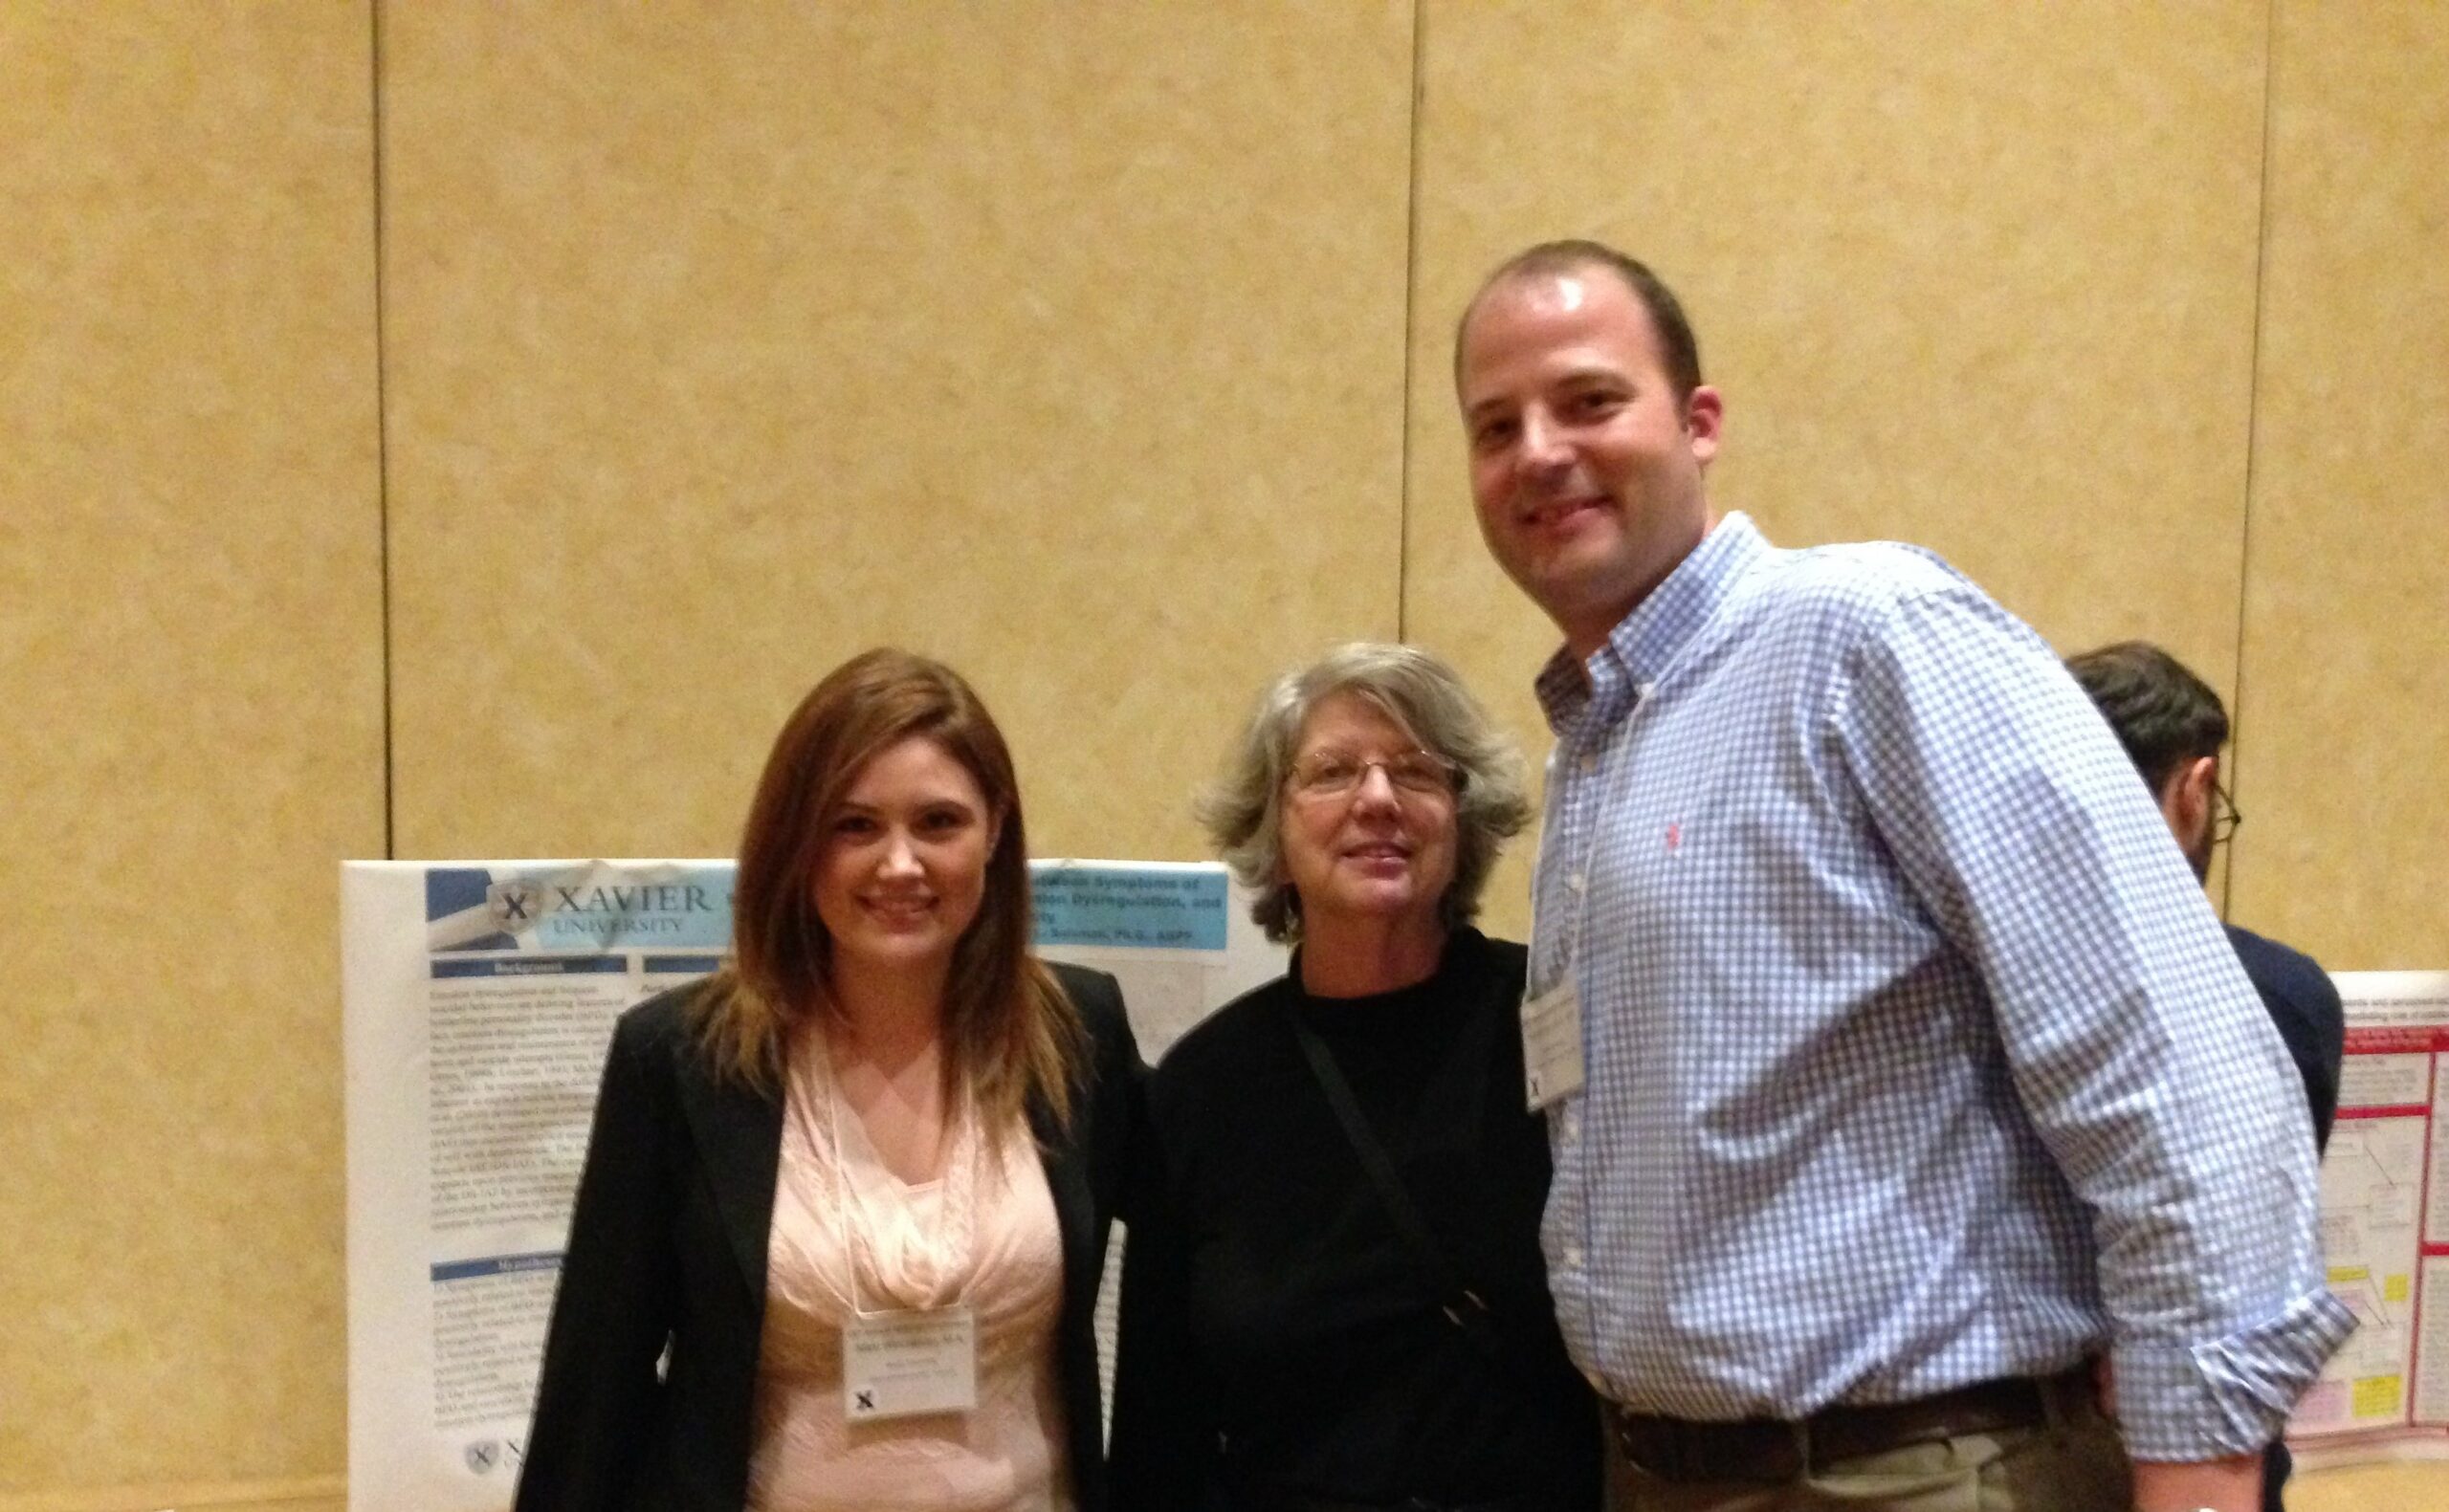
1244	811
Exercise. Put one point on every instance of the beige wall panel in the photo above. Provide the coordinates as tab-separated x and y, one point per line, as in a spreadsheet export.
1063	342
325	1492
190	653
1979	278
2340	758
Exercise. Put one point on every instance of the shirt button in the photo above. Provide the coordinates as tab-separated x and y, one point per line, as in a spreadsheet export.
1573	1257
1570	1124
1644	690
1572	880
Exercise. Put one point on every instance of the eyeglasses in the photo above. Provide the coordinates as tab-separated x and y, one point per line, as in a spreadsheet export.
2224	818
1333	773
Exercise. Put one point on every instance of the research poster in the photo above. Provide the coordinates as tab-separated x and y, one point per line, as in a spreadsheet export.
478	999
2385	1229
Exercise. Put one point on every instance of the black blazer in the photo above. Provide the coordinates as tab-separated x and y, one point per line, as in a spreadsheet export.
667	1248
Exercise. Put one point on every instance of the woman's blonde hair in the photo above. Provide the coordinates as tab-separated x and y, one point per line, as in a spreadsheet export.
1011	1033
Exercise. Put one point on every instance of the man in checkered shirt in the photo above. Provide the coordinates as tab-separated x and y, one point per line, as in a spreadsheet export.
1901	1083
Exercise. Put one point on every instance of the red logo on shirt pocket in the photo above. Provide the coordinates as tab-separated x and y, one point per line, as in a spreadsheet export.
1674	834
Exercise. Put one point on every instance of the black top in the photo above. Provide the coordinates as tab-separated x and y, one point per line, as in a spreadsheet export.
2304	1004
1278	1337
650	1377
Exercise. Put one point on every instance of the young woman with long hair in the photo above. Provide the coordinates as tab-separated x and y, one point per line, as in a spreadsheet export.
845	1206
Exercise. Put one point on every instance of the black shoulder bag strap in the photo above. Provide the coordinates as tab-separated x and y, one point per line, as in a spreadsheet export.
1463	1306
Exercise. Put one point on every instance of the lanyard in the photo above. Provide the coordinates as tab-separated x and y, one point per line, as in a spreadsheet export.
1576	880
955	1229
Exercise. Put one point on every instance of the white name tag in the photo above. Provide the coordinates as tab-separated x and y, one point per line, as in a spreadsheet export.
1552	1069
903	1364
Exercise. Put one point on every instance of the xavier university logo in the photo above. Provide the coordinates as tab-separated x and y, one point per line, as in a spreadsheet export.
513	903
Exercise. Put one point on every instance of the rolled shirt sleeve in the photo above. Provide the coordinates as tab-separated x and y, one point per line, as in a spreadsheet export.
2133	1037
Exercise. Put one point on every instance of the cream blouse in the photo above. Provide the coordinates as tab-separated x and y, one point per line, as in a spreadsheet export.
984	1235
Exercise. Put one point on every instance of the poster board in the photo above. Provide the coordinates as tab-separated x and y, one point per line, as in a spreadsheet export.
2385	1230
477	1000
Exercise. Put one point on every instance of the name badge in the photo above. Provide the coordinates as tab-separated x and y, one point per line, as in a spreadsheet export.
1551	1066
904	1364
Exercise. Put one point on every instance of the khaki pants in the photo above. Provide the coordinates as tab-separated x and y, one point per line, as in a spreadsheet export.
2073	1464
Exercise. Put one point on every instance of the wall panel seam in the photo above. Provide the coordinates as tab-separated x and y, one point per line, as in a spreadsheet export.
1411	331
2253	423
381	420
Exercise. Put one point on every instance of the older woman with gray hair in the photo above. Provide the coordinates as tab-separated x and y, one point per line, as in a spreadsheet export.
1333	1296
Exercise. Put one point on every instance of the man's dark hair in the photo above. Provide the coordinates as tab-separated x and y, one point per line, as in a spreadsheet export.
2163	714
1678	347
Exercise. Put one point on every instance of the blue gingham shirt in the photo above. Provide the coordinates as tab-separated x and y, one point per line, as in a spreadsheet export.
1916	1054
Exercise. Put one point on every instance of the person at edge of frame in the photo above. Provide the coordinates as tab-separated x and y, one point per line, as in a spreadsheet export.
1895	1065
2174	727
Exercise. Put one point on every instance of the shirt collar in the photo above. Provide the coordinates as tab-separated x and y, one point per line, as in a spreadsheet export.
1646	641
